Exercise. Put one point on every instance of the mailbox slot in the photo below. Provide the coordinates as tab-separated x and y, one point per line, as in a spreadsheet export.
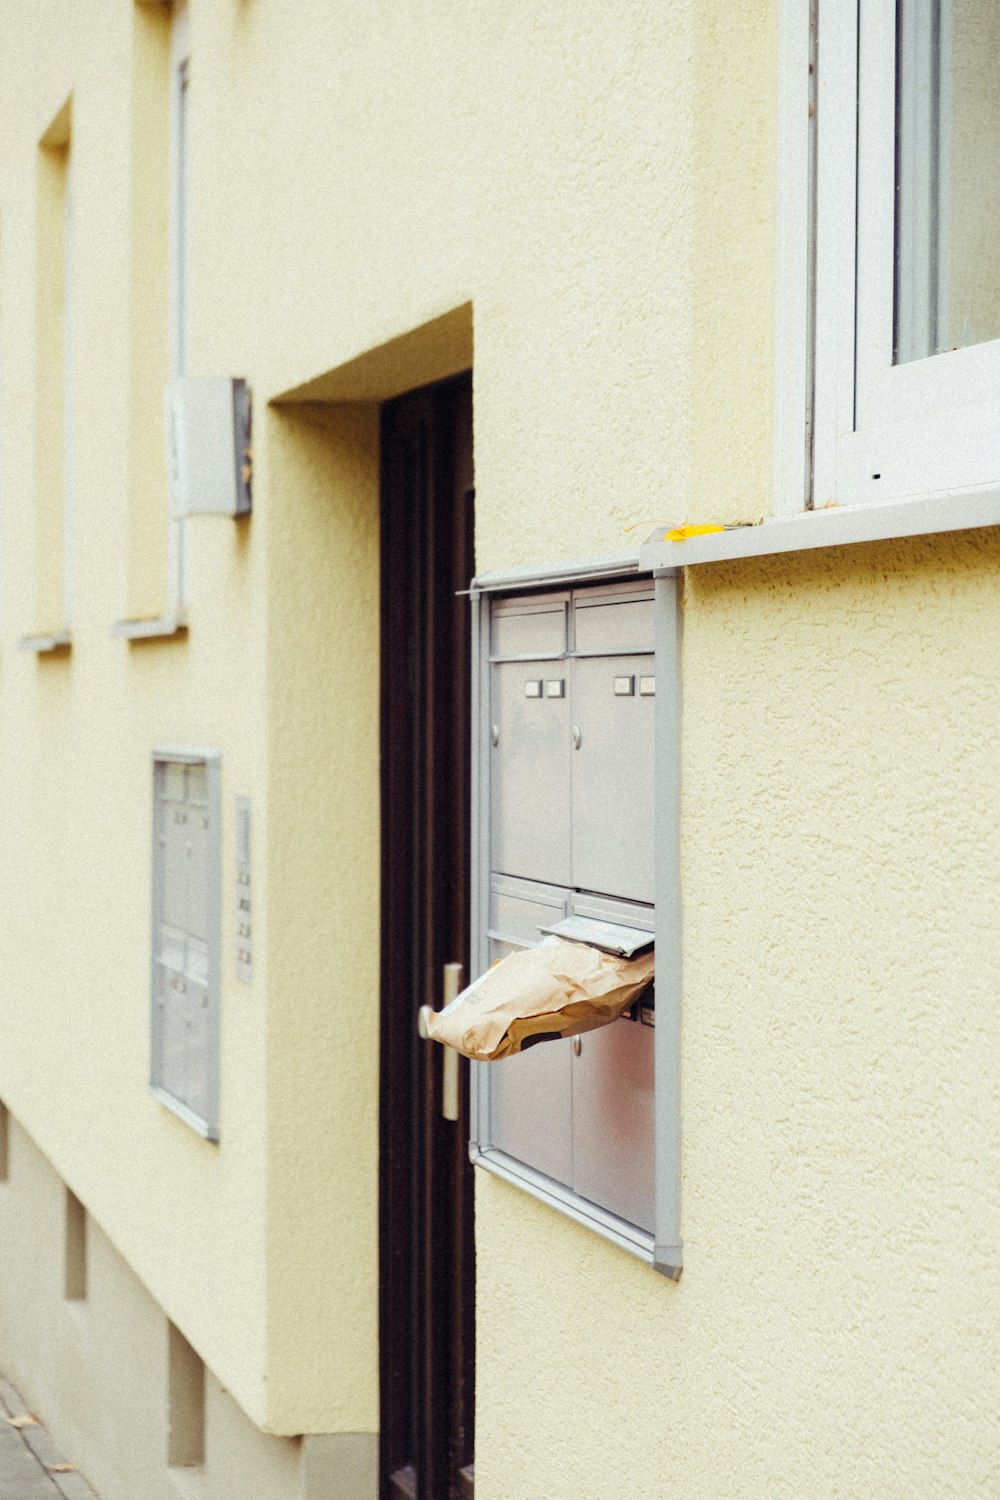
613	623
530	627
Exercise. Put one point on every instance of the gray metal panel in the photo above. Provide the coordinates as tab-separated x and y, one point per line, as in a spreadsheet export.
186	935
610	937
614	1136
170	1032
529	774
625	625
618	1231
175	869
530	1101
668	1254
619	565
613	779
197	1095
479	894
605	909
530	627
198	869
519	907
613	1120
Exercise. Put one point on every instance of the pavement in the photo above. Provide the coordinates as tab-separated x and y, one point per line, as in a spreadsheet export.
31	1466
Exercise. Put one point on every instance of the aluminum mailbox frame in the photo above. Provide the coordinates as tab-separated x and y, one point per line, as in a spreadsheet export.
207	1124
663	1248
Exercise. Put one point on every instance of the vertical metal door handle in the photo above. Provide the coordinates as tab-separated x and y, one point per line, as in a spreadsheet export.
449	1069
577	737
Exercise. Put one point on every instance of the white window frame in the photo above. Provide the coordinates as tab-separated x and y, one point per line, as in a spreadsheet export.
882	431
179	260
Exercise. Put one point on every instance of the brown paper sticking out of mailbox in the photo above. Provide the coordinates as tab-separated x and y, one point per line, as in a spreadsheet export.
538	994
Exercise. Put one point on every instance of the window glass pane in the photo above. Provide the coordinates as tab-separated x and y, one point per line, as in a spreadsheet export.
947	176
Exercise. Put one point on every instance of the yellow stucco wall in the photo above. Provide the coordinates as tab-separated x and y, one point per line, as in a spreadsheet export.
597	181
833	1329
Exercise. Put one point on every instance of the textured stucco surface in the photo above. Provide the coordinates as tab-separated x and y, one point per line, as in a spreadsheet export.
834	1331
97	1366
596	181
357	173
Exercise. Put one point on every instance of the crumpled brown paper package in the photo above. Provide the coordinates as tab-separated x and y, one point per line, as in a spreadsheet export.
538	994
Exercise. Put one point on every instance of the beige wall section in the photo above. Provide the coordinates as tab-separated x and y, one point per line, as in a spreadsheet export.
597	180
835	1325
322	916
97	1370
76	738
145	592
356	175
52	202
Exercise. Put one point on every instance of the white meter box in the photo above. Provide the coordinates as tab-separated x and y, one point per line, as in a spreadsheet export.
208	446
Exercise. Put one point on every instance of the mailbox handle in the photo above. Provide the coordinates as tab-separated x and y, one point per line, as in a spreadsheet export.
449	1069
577	737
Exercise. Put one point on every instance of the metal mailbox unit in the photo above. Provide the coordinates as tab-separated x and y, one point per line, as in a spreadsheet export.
575	798
186	935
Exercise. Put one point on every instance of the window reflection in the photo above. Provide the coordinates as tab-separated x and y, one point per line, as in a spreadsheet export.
947	176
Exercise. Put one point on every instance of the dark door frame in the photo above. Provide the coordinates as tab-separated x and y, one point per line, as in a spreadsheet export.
426	1317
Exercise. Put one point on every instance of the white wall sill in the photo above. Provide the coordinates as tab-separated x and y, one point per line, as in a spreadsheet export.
188	1480
46	645
183	1112
834	526
154	628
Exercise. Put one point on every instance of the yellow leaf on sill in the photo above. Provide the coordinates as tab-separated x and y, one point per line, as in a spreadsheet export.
682	533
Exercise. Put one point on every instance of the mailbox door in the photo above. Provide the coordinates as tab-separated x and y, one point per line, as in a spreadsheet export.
199	1031
530	1102
171	1015
196	848
613	622
613	793
613	1120
530	738
530	627
614	1101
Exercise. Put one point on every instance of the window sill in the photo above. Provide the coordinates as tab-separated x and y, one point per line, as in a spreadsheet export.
835	526
184	1112
46	645
188	1480
155	628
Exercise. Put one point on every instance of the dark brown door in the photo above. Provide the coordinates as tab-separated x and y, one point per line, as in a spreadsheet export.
426	1236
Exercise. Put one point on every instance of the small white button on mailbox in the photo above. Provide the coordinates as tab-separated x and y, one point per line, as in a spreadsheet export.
533	689
555	687
647	687
624	687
